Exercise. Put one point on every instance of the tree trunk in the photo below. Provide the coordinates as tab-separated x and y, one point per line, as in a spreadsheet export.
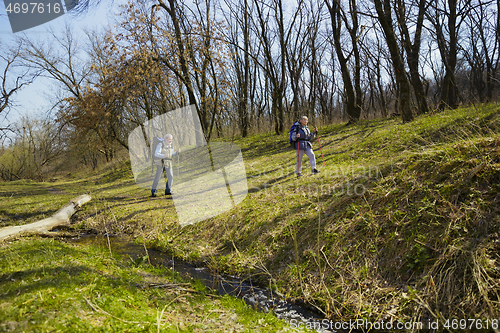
384	17
184	73
60	218
351	106
413	50
448	50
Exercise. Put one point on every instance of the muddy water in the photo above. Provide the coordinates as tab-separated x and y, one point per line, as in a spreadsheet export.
258	297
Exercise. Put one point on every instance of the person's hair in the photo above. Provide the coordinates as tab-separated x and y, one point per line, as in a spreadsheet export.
304	117
168	136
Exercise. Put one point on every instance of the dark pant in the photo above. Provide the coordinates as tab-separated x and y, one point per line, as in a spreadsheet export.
170	178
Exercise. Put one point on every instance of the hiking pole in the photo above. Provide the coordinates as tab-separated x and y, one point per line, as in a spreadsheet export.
317	135
298	144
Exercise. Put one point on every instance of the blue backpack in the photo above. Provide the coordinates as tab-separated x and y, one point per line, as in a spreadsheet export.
294	128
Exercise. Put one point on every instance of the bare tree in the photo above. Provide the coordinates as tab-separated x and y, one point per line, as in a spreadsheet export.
240	13
35	145
195	55
481	49
174	11
272	27
12	79
352	89
64	59
385	18
319	85
375	54
60	59
295	58
403	14
446	17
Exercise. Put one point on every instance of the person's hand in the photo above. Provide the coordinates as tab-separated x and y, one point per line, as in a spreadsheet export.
178	151
298	135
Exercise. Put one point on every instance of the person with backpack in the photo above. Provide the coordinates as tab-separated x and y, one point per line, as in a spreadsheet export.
300	139
163	152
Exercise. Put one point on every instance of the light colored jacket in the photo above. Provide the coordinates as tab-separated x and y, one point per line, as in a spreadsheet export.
165	153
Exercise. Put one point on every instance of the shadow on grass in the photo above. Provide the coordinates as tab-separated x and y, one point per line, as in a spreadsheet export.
460	128
12	218
115	186
52	265
24	191
42	278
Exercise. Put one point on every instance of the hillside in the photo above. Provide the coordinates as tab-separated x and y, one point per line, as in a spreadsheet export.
401	224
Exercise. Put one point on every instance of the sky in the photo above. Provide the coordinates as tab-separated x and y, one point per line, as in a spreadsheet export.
36	99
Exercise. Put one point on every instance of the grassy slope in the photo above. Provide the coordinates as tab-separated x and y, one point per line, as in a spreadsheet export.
402	223
51	286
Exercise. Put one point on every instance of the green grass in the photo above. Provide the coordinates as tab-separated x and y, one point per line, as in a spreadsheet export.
401	224
47	285
395	208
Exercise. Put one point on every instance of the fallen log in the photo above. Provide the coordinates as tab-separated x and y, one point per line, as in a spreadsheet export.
60	218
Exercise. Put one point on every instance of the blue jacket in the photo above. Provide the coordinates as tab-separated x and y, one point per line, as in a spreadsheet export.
305	137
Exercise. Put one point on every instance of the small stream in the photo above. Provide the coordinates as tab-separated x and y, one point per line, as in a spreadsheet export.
258	297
